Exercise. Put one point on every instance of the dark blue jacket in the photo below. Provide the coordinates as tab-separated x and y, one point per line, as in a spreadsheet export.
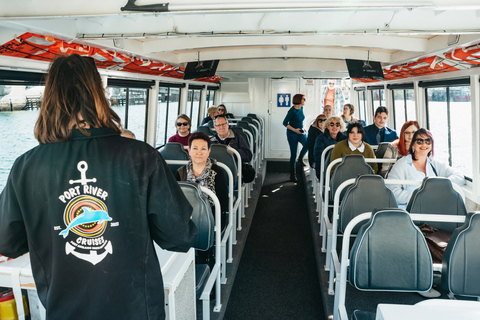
324	140
387	134
294	118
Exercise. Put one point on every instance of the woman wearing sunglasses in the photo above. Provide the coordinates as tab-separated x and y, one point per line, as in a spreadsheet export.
354	144
313	132
419	164
182	124
333	128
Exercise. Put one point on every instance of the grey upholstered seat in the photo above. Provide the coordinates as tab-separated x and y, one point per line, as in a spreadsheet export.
437	196
461	260
382	147
240	131
201	215
203	218
205	129
220	153
174	151
246	126
367	194
351	166
390	254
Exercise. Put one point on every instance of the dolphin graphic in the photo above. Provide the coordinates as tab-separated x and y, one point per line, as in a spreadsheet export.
87	216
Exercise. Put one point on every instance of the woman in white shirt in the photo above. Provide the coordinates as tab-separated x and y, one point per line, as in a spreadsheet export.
419	164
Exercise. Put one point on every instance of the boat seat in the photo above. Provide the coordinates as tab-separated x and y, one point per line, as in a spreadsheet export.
380	152
461	259
220	153
205	129
390	254
367	194
202	272
363	315
174	151
351	166
437	196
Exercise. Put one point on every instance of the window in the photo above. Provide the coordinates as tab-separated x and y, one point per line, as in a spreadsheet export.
168	110
362	105
210	98
449	109
404	107
193	106
378	99
19	110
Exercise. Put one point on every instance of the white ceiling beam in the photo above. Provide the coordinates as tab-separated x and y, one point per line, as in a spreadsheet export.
380	41
298	52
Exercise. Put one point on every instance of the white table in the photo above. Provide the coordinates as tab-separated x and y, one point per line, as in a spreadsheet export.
438	309
178	270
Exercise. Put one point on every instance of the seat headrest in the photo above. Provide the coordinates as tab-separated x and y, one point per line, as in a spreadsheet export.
174	151
365	195
351	166
436	195
220	153
462	258
390	254
201	215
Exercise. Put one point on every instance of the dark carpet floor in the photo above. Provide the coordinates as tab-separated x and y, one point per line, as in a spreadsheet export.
277	277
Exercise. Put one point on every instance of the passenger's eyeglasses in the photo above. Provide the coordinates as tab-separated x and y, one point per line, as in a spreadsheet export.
321	120
333	124
221	125
409	133
422	141
179	124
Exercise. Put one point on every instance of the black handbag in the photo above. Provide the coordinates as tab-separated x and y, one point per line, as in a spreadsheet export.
248	173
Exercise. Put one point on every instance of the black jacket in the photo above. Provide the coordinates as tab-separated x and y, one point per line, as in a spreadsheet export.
87	211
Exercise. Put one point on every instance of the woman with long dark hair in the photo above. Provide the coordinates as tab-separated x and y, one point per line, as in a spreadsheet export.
87	203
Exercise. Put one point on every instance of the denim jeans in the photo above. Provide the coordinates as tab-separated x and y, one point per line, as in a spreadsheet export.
293	140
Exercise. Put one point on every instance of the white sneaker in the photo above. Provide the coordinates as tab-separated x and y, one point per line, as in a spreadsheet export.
432	293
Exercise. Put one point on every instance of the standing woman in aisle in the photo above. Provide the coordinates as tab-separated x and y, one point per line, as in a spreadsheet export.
295	132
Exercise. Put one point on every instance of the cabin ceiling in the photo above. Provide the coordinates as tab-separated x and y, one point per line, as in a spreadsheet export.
256	38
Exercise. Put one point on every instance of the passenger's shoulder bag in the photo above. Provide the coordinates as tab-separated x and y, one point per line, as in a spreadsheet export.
437	241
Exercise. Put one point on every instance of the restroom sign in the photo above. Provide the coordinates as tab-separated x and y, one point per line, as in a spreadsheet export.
283	99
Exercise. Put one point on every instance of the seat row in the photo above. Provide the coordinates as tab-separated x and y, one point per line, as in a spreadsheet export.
227	159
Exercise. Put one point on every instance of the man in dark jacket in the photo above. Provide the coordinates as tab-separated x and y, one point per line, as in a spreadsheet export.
378	131
226	136
87	203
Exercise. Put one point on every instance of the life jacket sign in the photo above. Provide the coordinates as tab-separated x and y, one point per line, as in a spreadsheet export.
86	218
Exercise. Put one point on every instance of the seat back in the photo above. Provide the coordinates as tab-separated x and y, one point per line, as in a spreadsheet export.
210	124
201	215
367	194
174	151
239	131
246	126
247	119
437	196
252	115
205	129
382	147
351	166
460	274
390	254
220	153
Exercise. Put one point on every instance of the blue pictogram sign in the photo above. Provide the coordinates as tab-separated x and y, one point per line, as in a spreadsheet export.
283	99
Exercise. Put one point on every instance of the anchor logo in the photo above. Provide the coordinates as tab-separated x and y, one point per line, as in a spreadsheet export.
93	257
82	166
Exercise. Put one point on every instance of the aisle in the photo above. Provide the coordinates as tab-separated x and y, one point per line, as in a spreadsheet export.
277	277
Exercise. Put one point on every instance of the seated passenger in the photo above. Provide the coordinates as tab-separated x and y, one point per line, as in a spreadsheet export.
201	170
183	124
328	111
347	115
332	134
222	110
417	165
399	148
313	132
211	113
378	131
127	134
354	145
226	136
